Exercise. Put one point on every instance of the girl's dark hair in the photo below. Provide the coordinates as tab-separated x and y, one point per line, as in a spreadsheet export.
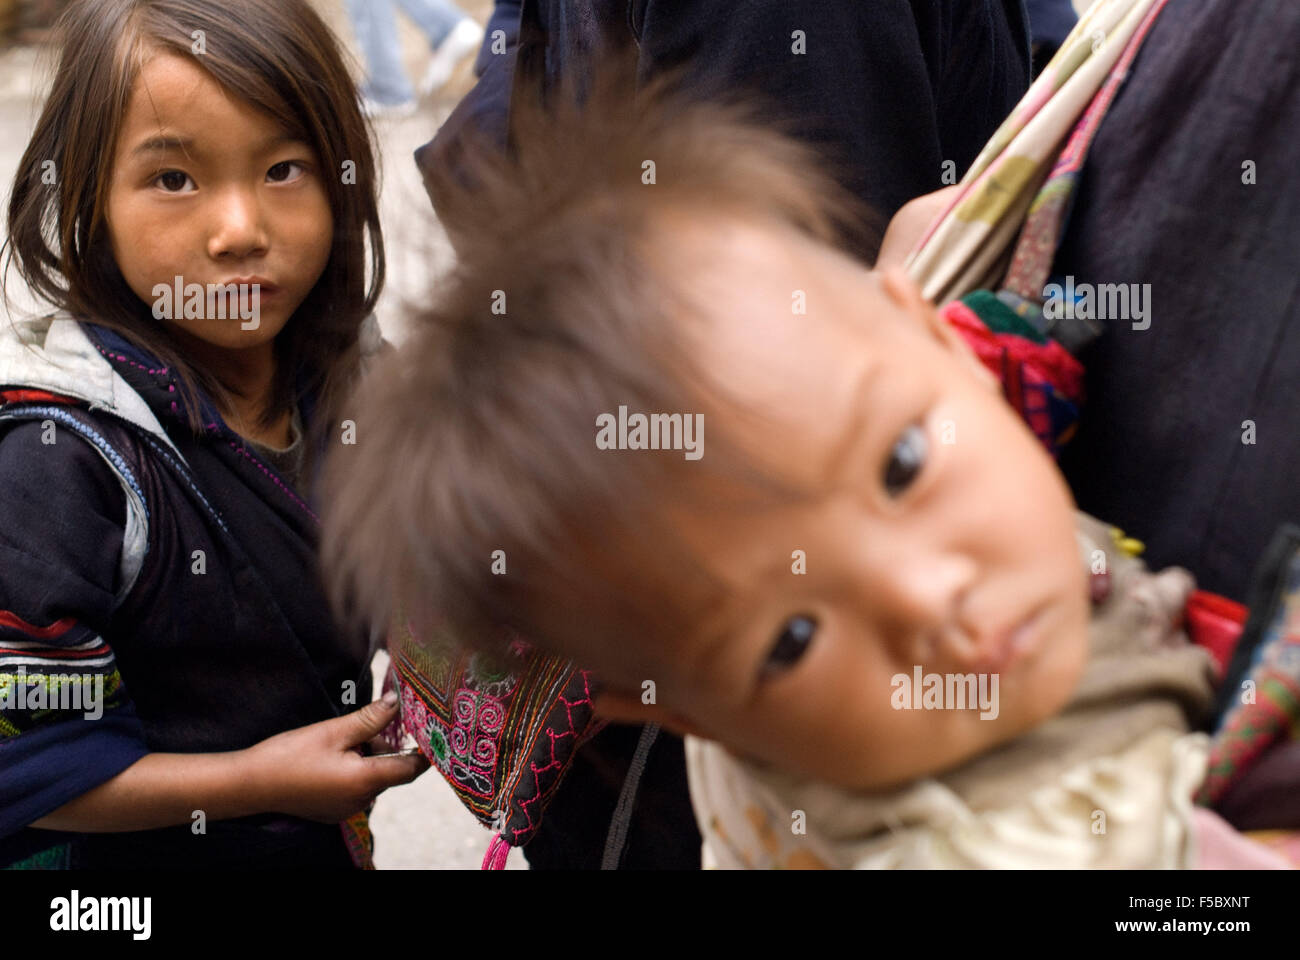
278	56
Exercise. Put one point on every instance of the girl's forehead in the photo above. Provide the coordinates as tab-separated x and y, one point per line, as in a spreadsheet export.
175	103
168	82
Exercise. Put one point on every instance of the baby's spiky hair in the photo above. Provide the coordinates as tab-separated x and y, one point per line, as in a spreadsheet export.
479	434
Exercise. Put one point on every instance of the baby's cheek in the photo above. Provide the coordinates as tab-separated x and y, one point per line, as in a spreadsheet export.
1072	652
849	729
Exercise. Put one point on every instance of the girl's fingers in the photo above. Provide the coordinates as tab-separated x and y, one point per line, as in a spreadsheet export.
394	770
360	726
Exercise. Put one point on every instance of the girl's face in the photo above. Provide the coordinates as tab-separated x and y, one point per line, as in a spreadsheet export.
207	189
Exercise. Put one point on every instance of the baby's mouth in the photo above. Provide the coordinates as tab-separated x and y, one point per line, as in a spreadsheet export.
1014	643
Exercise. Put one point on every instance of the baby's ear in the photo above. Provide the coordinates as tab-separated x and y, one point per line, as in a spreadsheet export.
903	291
625	708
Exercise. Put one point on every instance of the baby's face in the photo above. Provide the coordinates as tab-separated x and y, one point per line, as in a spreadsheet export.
936	534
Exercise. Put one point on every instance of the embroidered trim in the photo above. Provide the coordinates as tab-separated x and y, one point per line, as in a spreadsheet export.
187	479
89	433
125	359
274	479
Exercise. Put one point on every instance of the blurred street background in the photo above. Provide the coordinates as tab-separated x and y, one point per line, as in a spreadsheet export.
420	824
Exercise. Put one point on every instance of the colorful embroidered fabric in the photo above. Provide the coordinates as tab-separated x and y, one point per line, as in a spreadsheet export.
45	669
1039	378
48	674
501	733
1268	711
360	841
1012	207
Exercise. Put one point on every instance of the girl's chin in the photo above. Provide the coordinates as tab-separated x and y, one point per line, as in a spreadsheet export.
229	335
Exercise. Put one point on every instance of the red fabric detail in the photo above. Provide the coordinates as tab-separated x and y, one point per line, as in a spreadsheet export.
57	629
98	651
1215	623
33	396
1050	361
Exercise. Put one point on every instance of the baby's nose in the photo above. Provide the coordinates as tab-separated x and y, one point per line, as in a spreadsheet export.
924	594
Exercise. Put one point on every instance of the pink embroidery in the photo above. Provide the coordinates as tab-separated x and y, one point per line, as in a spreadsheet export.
526	805
274	479
125	359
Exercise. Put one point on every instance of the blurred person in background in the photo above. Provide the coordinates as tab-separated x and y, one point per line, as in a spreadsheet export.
452	34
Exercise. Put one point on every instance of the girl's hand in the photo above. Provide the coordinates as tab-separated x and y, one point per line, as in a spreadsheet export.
318	772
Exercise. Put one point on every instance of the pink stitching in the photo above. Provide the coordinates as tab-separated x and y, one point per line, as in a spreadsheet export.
276	480
524	805
171	388
124	359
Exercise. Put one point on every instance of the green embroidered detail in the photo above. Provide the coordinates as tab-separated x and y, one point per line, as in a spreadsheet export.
999	317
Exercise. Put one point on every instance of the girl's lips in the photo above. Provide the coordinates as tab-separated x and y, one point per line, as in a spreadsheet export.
266	293
265	288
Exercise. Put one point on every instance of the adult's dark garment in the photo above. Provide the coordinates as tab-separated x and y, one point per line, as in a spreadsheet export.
1050	21
1213	101
891	90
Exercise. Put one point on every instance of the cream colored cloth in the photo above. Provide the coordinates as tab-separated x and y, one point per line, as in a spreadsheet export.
1105	784
970	245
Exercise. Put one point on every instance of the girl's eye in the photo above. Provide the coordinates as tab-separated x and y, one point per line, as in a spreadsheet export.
284	172
173	181
905	460
792	643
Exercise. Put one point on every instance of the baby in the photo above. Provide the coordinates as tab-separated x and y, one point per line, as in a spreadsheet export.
660	425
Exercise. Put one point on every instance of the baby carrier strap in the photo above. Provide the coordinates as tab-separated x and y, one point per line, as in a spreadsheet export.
38	405
1002	230
987	259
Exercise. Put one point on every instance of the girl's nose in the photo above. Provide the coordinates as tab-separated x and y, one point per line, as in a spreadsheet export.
239	231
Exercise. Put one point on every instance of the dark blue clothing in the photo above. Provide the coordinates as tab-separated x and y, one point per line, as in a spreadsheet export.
215	654
1050	21
1213	95
890	90
505	18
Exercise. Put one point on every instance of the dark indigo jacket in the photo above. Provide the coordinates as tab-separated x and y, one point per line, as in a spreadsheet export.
209	661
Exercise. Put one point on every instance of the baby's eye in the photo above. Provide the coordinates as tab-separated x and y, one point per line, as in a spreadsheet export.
795	638
905	460
173	181
284	172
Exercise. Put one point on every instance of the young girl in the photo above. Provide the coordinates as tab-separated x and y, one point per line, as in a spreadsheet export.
198	201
